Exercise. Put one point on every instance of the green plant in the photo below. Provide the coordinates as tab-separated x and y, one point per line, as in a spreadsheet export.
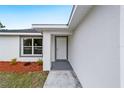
39	62
13	61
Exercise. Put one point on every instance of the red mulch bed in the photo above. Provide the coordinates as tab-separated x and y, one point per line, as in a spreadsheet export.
5	66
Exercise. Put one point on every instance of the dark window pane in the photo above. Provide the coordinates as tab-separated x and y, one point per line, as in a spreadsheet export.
37	50
37	42
27	42
27	50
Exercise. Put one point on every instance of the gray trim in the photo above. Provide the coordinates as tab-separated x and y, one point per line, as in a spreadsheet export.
19	31
66	48
21	43
55	47
49	24
19	46
31	56
60	60
31	36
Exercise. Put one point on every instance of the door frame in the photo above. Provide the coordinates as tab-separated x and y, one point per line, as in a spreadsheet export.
56	47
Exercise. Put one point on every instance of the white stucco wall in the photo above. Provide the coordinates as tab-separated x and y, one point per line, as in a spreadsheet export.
53	48
10	48
94	49
47	51
122	45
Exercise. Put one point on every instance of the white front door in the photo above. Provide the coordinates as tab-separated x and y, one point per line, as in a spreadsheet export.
61	48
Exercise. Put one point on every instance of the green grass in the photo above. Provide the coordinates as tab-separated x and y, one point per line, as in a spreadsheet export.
22	80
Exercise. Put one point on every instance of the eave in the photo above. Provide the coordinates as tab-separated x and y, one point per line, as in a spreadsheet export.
78	13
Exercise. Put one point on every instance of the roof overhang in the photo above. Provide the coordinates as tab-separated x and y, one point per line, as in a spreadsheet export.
19	32
50	27
78	13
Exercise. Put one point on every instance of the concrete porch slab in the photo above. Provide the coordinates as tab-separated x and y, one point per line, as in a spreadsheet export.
62	79
61	65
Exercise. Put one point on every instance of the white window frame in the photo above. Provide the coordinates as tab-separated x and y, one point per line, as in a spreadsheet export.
22	47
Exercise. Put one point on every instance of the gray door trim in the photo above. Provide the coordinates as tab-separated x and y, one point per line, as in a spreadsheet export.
56	47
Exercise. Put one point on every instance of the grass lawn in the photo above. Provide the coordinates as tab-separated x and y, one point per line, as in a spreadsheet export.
22	80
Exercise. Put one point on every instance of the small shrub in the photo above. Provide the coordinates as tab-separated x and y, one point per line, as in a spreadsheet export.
13	61
39	62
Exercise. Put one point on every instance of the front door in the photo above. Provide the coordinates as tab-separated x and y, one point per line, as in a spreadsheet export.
61	47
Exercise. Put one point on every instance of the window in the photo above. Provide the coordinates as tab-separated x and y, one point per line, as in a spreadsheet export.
31	46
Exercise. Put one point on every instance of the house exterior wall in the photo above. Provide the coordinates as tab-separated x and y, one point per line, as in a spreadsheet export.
10	48
53	48
94	51
122	45
46	51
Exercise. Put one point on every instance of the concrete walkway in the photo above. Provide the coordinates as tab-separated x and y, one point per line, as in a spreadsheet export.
62	79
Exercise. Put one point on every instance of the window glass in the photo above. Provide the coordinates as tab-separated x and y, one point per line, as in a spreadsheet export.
27	42
37	42
27	50
32	46
37	50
